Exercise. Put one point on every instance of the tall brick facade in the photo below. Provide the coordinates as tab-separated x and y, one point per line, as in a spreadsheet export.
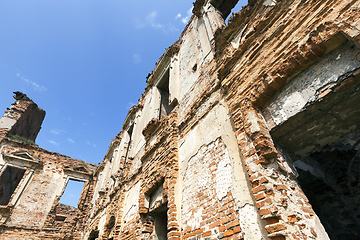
246	130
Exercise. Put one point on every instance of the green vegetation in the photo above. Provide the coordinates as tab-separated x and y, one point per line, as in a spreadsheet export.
17	137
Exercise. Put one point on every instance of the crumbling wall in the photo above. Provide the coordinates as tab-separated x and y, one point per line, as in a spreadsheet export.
150	149
34	205
33	211
23	118
210	168
208	204
207	147
256	59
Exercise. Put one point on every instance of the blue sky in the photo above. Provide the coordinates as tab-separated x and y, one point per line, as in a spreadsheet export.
84	62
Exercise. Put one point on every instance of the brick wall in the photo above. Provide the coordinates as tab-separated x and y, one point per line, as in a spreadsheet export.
208	207
36	213
262	49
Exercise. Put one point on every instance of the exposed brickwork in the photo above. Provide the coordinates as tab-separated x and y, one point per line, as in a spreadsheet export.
62	221
277	42
209	209
27	214
282	59
210	168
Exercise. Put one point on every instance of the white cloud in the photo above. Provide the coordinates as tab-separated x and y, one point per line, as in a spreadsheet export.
151	21
67	119
186	19
54	143
178	16
71	141
34	85
130	104
90	144
137	58
57	131
139	24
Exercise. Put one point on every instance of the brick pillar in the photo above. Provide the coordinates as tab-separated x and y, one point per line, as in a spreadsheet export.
279	199
172	226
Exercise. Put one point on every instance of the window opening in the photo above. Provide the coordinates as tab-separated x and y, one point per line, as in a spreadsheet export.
158	212
9	180
93	235
130	132
194	67
111	222
72	193
160	222
235	9
110	226
163	87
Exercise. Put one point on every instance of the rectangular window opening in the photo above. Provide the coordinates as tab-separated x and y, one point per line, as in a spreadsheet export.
158	211
130	132
163	88
72	193
9	180
160	223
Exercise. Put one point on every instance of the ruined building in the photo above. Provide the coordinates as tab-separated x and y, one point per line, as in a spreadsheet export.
33	179
246	130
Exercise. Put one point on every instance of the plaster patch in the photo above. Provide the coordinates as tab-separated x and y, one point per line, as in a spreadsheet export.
223	177
101	226
269	3
195	220
249	223
132	202
252	118
303	88
135	166
7	122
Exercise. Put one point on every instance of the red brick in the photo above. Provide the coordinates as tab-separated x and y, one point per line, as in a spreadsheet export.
215	224
263	203
292	219
280	187
258	189
272	220
206	234
267	211
237	229
308	210
269	193
225	220
264	212
228	233
233	224
259	196
275	228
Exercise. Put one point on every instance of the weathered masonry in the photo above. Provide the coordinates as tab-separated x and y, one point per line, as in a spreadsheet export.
246	130
33	179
